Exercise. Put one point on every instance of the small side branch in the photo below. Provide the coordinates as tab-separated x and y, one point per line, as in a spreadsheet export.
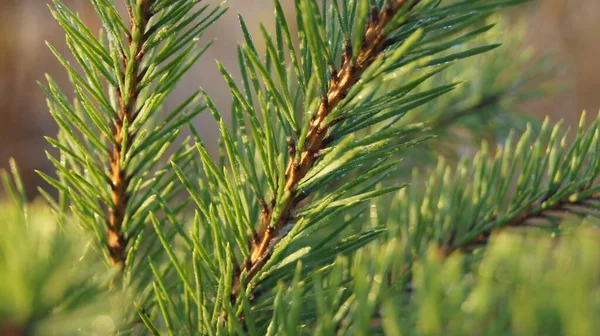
519	220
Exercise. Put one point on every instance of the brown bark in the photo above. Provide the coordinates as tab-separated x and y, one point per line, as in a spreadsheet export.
117	241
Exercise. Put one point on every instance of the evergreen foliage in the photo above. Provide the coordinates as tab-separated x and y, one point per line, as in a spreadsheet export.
305	223
52	283
525	285
534	179
111	171
486	103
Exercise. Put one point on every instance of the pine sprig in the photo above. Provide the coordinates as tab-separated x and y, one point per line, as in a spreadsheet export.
111	137
372	54
531	183
353	66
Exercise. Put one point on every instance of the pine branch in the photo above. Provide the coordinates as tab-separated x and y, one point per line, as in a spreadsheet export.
535	179
112	138
374	41
540	210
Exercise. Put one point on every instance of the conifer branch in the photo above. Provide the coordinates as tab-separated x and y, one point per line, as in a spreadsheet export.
532	180
562	206
112	138
374	41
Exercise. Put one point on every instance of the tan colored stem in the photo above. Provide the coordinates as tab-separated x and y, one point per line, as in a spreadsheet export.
117	242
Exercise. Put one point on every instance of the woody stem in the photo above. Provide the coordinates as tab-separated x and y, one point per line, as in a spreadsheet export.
117	241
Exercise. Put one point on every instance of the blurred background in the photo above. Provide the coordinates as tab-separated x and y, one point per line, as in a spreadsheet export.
566	28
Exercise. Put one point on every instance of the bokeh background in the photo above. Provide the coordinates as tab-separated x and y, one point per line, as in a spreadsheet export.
567	28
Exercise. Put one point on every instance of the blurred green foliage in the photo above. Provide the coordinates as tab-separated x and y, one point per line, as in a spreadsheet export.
287	232
49	282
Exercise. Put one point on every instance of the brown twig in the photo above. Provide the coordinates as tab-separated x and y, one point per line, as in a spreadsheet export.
517	221
341	82
117	241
